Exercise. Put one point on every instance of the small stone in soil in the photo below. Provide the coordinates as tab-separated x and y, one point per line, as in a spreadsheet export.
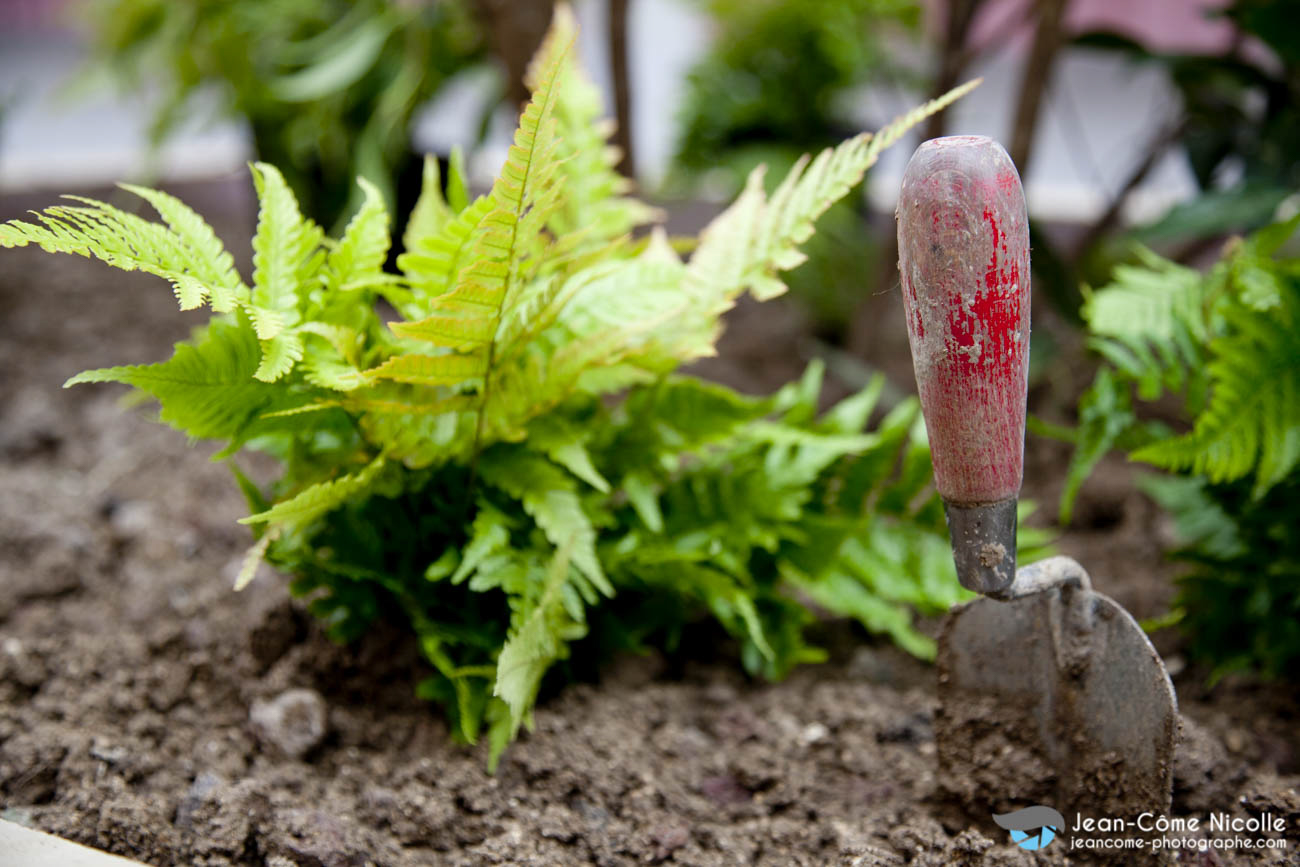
724	790
813	733
294	721
668	838
204	785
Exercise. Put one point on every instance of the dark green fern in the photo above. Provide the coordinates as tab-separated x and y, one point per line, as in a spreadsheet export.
1226	344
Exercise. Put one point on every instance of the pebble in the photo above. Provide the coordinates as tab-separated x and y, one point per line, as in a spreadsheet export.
813	733
106	752
668	838
131	518
294	721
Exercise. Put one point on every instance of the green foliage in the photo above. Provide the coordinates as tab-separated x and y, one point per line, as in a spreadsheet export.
1240	597
1226	344
512	465
328	88
773	83
775	86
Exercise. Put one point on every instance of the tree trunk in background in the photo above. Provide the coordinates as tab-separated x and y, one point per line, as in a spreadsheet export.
618	68
515	29
1033	84
954	57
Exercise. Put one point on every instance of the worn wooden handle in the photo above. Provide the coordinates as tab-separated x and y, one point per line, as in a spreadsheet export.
963	241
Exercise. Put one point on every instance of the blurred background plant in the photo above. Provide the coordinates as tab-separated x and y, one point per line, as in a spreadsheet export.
780	81
1214	363
328	88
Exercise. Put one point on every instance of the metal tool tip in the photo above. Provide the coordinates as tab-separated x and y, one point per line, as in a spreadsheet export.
984	545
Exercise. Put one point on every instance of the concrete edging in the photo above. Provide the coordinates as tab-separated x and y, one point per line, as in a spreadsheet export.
31	848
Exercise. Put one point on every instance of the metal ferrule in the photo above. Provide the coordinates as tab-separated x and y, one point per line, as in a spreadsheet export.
984	545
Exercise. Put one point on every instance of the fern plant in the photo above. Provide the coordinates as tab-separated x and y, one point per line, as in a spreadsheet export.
1226	344
493	444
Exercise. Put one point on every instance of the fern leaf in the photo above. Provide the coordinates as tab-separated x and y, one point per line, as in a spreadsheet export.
846	596
253	558
359	256
430	369
489	535
439	406
750	242
550	497
185	255
431	212
207	388
565	444
266	322
1145	302
506	240
283	242
334	375
431	264
279	354
207	261
1252	422
594	202
315	501
452	332
538	641
428	434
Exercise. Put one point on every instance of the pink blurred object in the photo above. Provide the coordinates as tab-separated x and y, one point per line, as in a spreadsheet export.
1173	26
21	15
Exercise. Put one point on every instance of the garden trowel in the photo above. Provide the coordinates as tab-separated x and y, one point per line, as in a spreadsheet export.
1050	693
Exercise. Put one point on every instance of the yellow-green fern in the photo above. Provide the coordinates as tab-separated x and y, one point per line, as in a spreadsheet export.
471	463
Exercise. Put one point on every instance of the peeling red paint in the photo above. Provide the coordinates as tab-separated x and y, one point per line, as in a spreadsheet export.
964	261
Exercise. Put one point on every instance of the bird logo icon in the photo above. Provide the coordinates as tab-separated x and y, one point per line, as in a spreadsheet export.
1032	828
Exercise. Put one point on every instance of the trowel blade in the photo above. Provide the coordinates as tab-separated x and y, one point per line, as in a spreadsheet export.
1055	698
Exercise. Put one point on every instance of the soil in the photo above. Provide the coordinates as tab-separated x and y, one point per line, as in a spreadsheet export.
148	710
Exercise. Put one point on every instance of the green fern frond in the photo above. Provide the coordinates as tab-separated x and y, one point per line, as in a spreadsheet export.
539	639
422	434
746	246
253	558
565	444
1252	421
359	256
266	322
1146	301
594	201
207	389
333	375
489	535
432	263
431	211
279	354
208	261
1226	341
506	247
185	252
453	332
285	245
550	497
317	500
430	369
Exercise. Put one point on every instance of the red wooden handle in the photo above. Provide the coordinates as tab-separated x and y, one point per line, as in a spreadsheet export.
963	241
